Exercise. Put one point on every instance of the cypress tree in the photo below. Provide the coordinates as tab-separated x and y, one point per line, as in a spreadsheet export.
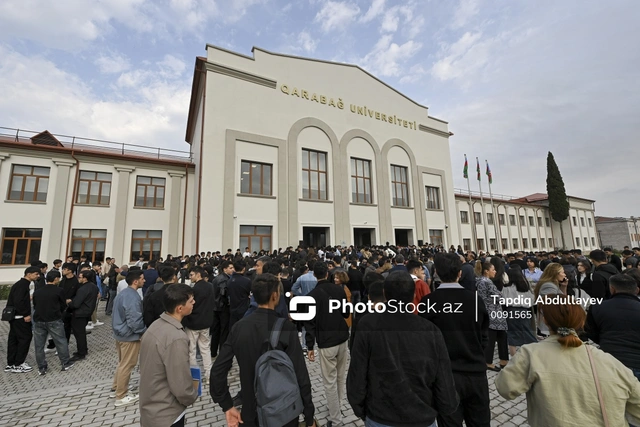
558	202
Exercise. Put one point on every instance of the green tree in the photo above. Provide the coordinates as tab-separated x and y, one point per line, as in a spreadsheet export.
558	202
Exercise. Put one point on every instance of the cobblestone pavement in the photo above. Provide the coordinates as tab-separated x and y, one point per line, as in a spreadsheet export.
80	397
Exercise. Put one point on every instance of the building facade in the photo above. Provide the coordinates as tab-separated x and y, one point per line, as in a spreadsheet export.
618	232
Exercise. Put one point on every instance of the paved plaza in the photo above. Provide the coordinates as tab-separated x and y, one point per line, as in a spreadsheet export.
80	397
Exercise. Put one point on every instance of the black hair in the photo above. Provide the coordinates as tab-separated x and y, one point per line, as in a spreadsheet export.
598	255
239	265
263	286
198	270
498	279
52	275
272	267
448	266
399	286
89	275
516	278
413	265
320	270
175	295
624	283
69	266
167	273
376	291
134	274
533	259
225	264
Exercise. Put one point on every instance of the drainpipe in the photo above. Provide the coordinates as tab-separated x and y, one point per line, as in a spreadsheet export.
184	214
204	105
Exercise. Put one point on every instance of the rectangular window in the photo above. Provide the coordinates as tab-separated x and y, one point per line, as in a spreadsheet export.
20	246
590	223
361	181
150	192
586	242
464	217
477	217
515	244
28	183
90	243
255	178
481	244
531	223
577	242
399	186
505	244
525	244
574	220
146	243
593	241
466	244
534	243
501	219
492	244
490	218
550	243
522	223
433	198
512	219
314	175
582	222
435	237
539	221
547	222
255	237
94	188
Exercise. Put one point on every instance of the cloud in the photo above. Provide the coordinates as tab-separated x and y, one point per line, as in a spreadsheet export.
460	58
307	42
376	8
112	62
466	10
387	58
336	15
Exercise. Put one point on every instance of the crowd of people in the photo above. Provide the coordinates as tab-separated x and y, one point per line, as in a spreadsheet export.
566	327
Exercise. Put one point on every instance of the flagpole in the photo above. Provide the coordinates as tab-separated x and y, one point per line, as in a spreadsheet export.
496	230
473	224
484	222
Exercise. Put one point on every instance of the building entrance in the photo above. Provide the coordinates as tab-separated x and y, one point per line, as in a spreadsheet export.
363	236
403	237
315	236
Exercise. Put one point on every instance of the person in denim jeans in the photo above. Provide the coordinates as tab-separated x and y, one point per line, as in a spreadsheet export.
49	305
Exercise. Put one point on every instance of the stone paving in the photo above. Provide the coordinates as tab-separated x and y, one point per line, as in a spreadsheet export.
80	397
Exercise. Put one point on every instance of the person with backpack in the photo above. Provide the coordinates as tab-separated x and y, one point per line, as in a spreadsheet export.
601	274
221	312
251	341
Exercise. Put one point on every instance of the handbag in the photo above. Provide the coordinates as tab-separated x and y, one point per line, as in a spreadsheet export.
595	378
8	313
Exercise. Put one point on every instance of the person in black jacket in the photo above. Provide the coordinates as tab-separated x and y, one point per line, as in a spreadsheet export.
239	287
601	274
221	313
20	332
331	332
152	305
198	324
613	259
615	324
82	306
465	338
69	285
400	373
246	342
376	296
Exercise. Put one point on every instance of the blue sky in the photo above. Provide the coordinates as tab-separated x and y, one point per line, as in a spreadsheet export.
514	79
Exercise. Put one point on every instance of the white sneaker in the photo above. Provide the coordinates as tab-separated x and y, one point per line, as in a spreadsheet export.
129	399
9	368
22	369
98	323
49	350
89	327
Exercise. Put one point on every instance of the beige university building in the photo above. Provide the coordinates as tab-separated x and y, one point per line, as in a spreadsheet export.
283	149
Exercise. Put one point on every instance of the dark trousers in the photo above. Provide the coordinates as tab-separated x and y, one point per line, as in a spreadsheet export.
20	334
179	423
219	330
78	325
474	409
66	319
111	298
503	348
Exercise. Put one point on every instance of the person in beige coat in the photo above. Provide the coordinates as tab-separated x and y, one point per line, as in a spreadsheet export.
166	385
560	383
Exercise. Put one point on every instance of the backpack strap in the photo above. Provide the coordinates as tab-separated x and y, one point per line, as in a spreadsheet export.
275	333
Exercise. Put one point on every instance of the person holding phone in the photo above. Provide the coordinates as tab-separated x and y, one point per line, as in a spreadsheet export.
552	282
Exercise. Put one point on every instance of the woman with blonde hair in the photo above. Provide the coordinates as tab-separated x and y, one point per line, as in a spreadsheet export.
341	279
552	282
569	383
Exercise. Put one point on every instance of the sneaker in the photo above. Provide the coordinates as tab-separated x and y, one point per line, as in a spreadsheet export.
127	400
9	368
49	350
68	366
76	358
42	371
112	393
98	323
89	327
299	334
22	369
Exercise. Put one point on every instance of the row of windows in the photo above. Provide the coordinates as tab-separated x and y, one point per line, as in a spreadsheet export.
20	246
30	184
477	216
515	243
575	221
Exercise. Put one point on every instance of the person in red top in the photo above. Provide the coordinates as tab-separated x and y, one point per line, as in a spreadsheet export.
417	274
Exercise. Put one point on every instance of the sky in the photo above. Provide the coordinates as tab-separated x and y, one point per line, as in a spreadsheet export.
514	80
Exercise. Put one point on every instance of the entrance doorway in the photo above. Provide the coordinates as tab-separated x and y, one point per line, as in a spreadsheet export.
404	237
363	236
315	236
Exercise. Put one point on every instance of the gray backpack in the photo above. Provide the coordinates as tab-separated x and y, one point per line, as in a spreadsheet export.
278	399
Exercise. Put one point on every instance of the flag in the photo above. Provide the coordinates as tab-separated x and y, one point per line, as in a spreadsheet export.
478	168
465	171
489	174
